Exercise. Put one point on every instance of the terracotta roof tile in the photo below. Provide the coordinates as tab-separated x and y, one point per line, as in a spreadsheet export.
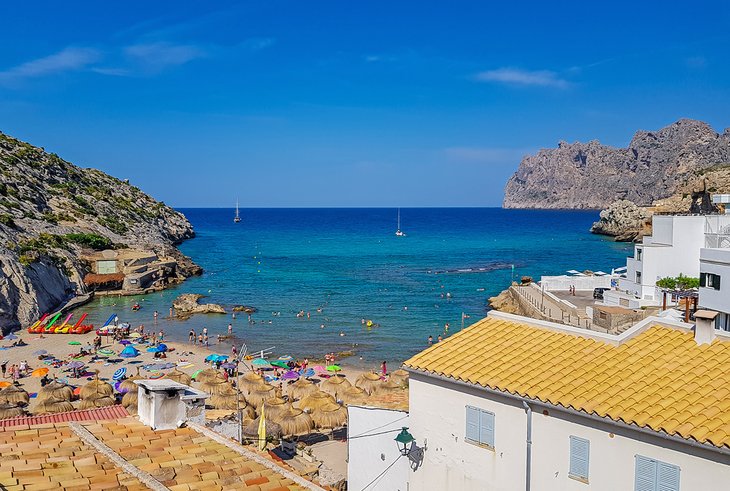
97	414
660	379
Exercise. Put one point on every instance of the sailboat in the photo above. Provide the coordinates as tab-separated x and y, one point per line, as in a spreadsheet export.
398	231
237	218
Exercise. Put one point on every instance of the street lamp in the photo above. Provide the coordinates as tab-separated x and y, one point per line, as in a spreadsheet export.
403	439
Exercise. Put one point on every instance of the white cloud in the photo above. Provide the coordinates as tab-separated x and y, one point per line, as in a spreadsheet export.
68	59
524	78
160	55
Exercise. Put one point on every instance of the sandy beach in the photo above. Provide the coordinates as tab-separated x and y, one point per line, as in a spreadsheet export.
185	357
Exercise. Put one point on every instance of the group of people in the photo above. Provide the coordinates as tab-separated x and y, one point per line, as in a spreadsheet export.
16	371
201	339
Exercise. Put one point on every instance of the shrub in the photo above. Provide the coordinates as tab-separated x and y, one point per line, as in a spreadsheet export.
7	220
94	241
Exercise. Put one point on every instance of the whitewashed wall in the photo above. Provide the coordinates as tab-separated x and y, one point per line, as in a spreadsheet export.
369	456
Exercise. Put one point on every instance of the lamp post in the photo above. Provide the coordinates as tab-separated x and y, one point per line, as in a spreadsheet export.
403	439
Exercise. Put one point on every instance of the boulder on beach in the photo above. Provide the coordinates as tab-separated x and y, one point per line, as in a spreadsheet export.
187	304
244	308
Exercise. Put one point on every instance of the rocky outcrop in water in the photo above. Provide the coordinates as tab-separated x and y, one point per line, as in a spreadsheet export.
623	220
590	175
187	304
51	211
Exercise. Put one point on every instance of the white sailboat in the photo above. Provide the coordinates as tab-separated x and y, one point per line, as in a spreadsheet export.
237	218
398	231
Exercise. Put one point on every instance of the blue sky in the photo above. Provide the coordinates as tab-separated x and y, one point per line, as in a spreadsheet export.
344	103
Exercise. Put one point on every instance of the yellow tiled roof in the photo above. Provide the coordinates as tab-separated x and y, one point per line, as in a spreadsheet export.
659	379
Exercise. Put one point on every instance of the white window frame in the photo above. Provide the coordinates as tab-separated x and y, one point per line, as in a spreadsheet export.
573	472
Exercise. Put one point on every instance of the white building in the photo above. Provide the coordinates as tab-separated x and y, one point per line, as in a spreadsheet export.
715	284
374	461
512	403
672	249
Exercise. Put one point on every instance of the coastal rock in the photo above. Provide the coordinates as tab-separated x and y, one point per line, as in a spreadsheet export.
505	303
187	304
623	220
655	165
51	211
244	308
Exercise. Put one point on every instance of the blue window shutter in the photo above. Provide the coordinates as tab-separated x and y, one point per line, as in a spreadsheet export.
645	477
472	424
579	457
667	477
486	428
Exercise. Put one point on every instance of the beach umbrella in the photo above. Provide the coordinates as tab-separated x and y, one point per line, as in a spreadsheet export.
353	395
319	369
128	385
179	376
279	363
368	381
119	373
228	366
388	386
39	372
295	422
334	368
400	376
275	407
152	349
135	335
76	364
5	384
161	347
259	394
40	352
273	430
53	406
316	400
335	385
74	343
290	375
55	391
205	375
259	362
330	415
309	372
11	411
249	381
125	342
96	388
11	337
215	386
302	388
94	402
129	352
14	394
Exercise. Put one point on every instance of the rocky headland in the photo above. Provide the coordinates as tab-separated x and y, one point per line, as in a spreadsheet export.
187	304
54	215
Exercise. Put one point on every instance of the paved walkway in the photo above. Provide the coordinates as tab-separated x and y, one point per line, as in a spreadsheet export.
543	303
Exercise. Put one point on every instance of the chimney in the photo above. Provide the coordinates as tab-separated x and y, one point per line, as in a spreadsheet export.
164	404
705	326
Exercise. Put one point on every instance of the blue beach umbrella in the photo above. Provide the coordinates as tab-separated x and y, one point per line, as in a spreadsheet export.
119	373
309	372
129	352
161	347
260	362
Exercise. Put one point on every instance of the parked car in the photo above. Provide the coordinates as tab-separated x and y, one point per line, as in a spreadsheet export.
598	293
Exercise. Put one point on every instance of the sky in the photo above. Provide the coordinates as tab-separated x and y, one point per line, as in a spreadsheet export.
349	103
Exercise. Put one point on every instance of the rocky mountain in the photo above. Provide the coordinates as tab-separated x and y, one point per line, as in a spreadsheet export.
51	210
590	175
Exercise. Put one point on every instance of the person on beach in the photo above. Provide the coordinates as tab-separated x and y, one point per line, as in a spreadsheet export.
4	367
205	331
155	316
218	339
200	339
430	340
440	339
191	336
161	336
16	372
234	351
384	368
230	329
205	341
170	312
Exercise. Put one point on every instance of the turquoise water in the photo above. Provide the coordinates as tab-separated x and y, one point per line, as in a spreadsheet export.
350	264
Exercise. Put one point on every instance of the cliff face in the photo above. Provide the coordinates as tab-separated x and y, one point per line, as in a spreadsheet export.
591	175
50	210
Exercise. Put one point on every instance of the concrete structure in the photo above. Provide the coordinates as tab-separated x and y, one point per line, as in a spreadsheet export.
580	282
492	419
615	319
672	249
715	284
164	404
374	461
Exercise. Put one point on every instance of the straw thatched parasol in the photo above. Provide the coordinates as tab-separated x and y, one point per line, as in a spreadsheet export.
368	381
55	390
335	385
302	388
207	374
275	407
130	399
295	422
11	411
14	394
179	377
259	394
52	406
97	401
389	386
96	388
316	400
330	415
273	430
400	377
215	385
353	395
249	381
128	385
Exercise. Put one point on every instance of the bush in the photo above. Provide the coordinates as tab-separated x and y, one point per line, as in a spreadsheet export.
7	220
94	241
682	282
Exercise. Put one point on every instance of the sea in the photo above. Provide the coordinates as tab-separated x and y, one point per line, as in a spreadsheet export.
362	290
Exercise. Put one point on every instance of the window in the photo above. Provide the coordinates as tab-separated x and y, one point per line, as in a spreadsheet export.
710	280
579	452
479	426
638	277
638	254
653	475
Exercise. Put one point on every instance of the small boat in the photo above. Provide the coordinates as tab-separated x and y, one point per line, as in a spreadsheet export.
237	218
398	231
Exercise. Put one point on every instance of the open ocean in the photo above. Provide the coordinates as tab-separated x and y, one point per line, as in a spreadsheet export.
349	263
